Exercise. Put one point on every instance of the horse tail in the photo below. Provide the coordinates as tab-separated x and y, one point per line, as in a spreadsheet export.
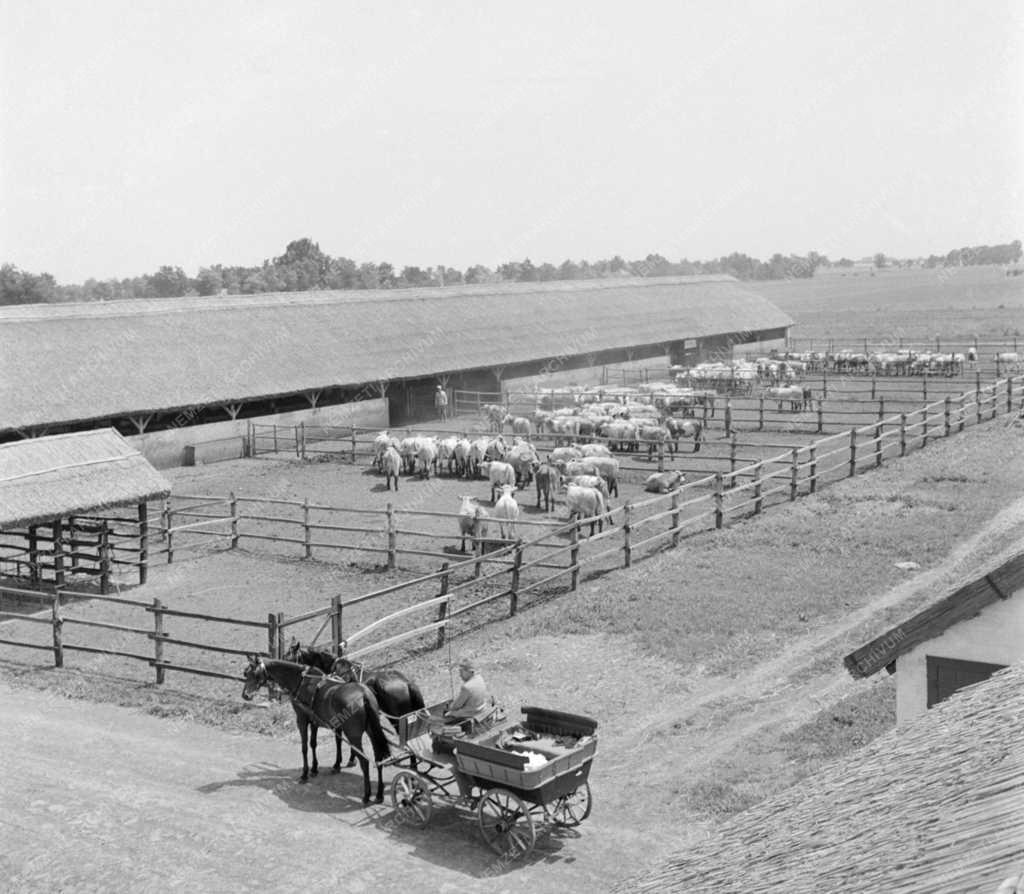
381	749
415	697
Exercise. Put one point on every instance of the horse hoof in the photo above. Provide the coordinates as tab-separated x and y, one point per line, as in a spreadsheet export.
302	779
314	772
335	769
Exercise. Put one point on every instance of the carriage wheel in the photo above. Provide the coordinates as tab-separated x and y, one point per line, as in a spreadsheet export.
573	808
506	823
410	796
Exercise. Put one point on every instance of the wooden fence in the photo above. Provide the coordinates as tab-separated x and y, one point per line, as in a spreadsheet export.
555	559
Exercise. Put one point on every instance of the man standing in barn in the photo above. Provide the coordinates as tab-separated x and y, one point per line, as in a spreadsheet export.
441	403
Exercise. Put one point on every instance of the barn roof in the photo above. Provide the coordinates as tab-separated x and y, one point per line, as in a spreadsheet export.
63	363
934	806
72	474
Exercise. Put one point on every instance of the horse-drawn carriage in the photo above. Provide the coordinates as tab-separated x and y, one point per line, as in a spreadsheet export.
515	776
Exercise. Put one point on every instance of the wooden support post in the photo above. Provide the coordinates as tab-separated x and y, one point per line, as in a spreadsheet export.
233	509
279	649
719	502
58	552
874	387
824	386
760	413
271	634
307	539
758	505
881	408
728	415
903	434
794	474
960	413
393	538
158	639
574	556
513	588
853	452
627	547
813	471
924	386
478	545
946	411
337	632
300	440
104	556
58	632
442	609
821	416
352	448
977	391
143	542
732	462
33	554
878	444
661	456
275	437
675	517
1009	394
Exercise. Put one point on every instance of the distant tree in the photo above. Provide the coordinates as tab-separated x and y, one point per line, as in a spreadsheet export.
20	287
477	273
209	281
368	276
415	276
342	273
386	276
547	272
879	260
568	270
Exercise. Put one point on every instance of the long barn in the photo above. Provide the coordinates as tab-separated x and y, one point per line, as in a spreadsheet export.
168	365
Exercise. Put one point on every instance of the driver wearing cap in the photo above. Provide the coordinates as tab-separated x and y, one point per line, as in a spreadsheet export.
473	701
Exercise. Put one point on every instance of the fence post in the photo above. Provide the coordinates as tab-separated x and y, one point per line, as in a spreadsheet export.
719	502
824	383
337	634
158	640
104	549
924	386
977	390
661	456
924	426
168	530
813	468
574	555
794	474
728	415
442	609
393	537
57	529
878	444
881	408
1009	394
478	545
675	517
947	409
627	514
271	634
758	505
306	536
275	437
853	452
760	413
352	448
513	589
821	417
732	462
960	412
233	506
58	632
903	434
143	542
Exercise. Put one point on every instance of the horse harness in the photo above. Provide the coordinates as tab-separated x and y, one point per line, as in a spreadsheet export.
304	696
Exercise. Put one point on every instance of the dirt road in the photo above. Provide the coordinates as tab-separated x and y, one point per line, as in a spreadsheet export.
101	798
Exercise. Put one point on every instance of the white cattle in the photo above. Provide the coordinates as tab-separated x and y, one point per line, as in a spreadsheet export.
506	512
594	450
426	457
499	474
586	503
446	452
664	482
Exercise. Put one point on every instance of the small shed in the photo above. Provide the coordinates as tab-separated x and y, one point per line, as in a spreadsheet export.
960	639
75	505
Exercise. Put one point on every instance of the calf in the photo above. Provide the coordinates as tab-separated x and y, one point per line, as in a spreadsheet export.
664	482
506	512
586	503
472	520
499	474
426	457
547	483
391	463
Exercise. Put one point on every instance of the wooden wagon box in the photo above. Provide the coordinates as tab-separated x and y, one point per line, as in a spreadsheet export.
565	770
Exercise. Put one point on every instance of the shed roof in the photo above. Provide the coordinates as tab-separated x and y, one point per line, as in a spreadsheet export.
1001	582
64	363
935	806
72	474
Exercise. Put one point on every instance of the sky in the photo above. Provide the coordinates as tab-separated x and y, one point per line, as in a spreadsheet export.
138	134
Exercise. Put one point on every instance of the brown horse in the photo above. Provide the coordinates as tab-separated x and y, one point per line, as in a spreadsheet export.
320	701
395	692
323	661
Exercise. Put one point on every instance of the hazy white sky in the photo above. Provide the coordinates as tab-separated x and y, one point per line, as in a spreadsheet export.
136	134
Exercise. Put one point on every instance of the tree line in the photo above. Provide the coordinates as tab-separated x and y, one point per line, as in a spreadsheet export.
304	267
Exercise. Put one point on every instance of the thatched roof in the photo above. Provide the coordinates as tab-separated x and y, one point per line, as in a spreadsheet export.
72	474
1001	582
63	363
934	806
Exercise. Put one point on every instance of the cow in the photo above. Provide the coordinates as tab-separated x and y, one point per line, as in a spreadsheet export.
499	474
495	416
380	444
472	520
685	428
594	481
520	425
426	457
594	450
664	482
799	398
657	437
607	467
586	503
460	456
391	463
546	478
506	512
446	453
524	459
565	454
